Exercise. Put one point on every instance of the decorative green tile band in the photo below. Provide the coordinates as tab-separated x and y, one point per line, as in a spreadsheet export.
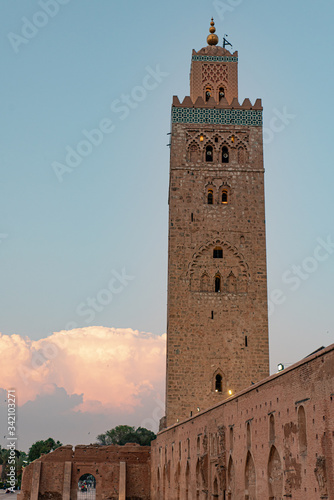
215	58
248	117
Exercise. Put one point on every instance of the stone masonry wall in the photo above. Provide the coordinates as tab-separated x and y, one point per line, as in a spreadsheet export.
229	329
272	441
103	462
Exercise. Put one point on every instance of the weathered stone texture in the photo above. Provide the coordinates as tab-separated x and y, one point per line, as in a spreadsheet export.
210	332
103	462
273	440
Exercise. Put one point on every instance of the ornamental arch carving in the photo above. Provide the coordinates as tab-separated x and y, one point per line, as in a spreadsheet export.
231	268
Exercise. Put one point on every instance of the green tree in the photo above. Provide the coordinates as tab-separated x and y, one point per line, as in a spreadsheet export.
123	434
36	450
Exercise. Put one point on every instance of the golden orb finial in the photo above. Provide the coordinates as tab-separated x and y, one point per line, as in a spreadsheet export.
212	38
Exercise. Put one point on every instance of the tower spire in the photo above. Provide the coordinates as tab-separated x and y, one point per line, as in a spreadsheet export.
212	38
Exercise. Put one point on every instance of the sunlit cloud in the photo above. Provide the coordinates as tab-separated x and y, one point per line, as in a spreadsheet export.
110	368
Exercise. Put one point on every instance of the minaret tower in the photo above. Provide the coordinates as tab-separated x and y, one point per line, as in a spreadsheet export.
217	331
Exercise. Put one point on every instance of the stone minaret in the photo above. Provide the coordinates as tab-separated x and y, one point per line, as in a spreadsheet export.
217	331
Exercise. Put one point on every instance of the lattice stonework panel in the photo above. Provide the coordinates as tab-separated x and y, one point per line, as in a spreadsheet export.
245	117
214	73
215	58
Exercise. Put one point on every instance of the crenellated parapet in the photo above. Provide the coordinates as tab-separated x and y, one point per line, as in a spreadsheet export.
222	112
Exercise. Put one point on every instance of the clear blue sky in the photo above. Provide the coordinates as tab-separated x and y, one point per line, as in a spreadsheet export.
61	241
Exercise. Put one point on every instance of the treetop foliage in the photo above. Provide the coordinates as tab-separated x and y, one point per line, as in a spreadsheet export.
40	447
123	434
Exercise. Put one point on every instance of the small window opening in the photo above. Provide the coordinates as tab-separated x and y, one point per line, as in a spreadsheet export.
207	93
209	154
219	383
221	93
225	155
246	341
210	197
218	253
217	284
211	314
192	217
224	197
216	139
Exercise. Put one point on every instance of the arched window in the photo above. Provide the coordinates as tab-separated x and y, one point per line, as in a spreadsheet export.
205	283
218	383
225	155
302	430
209	153
218	253
193	153
224	197
208	92
210	197
231	283
241	156
221	94
217	283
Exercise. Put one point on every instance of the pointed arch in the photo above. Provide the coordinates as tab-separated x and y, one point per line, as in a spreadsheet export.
218	283
231	283
218	383
210	197
250	478
302	435
205	283
230	479
221	92
209	149
193	152
187	493
241	155
208	89
275	475
225	154
227	247
198	475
